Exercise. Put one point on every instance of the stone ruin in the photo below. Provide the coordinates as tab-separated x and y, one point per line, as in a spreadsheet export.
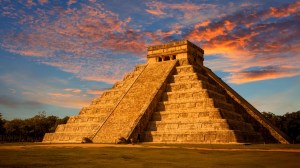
173	98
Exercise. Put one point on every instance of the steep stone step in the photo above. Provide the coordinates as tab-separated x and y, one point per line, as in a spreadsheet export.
204	124
64	137
95	110
113	93
188	77
134	105
76	127
222	113
181	115
192	85
86	118
204	103
189	69
192	94
195	113
111	100
224	136
186	86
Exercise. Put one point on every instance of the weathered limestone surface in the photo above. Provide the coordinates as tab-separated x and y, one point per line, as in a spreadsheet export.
90	118
270	133
171	99
134	104
192	110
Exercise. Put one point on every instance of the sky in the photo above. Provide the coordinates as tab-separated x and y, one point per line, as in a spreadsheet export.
58	55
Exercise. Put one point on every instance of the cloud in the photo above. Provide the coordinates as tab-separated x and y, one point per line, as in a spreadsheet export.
78	39
95	91
70	2
11	102
250	39
42	2
58	95
191	13
97	44
264	73
40	90
73	90
284	11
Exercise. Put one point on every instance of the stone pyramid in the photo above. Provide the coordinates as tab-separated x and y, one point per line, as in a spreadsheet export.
171	99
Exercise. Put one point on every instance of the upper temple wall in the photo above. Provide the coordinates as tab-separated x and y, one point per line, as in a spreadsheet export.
175	50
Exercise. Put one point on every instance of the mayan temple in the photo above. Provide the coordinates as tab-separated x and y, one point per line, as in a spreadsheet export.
173	98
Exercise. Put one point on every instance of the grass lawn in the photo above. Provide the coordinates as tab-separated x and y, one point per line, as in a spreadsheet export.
148	155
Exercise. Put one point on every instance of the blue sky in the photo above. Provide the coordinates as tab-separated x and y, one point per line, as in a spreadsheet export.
56	56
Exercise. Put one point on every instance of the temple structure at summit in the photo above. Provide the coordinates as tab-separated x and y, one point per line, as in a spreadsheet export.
173	98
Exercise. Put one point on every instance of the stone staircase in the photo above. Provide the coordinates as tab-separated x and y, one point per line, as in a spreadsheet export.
171	99
92	117
193	110
136	104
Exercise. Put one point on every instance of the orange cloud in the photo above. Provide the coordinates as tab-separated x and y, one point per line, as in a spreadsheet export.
42	2
284	11
244	77
56	94
88	41
202	24
155	12
73	90
70	2
239	48
94	92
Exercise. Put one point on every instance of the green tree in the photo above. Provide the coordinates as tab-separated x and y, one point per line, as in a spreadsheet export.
2	122
14	127
288	123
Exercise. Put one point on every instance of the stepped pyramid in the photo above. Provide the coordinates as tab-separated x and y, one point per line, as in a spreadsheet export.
171	99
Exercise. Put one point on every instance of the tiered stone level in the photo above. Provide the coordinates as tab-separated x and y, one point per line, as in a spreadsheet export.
171	99
134	104
90	118
191	111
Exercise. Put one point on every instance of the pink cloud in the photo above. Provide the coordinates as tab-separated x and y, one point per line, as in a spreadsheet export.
67	67
73	90
70	2
94	92
191	13
155	12
42	2
284	11
77	34
56	94
88	40
241	48
202	24
250	76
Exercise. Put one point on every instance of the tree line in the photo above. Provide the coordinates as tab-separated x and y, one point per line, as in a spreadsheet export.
33	129
29	130
288	123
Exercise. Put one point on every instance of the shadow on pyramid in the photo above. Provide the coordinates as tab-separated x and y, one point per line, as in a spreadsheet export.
171	99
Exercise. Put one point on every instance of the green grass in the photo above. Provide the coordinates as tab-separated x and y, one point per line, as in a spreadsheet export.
31	155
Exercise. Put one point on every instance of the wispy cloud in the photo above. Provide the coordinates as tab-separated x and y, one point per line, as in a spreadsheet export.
263	73
190	13
95	91
43	1
11	102
77	40
250	39
98	44
58	95
73	90
40	92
